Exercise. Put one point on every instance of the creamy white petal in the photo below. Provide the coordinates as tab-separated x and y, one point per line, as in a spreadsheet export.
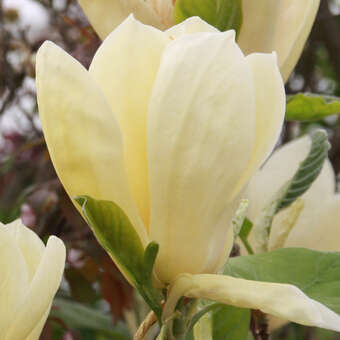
41	291
125	68
294	25
81	132
13	279
190	25
270	108
200	134
30	245
320	227
34	335
259	25
106	15
280	168
281	300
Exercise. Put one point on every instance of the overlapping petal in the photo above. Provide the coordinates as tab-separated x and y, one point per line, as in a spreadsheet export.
259	25
200	135
14	278
81	131
270	109
40	292
281	300
106	15
190	25
30	245
294	25
125	68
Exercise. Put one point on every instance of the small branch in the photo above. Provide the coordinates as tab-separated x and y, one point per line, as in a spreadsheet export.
145	326
259	325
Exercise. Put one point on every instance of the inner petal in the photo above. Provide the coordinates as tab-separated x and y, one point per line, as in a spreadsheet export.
125	67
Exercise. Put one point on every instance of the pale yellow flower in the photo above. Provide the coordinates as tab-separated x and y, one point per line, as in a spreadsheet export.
30	274
170	126
282	26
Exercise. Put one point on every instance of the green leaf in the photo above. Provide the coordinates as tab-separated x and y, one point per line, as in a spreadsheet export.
309	107
316	273
226	322
230	323
245	230
78	316
304	177
308	170
118	237
223	14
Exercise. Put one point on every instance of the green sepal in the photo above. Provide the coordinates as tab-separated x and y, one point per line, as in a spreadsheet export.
316	273
118	237
222	14
311	107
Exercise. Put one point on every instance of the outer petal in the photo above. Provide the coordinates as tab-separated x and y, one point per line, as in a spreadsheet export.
319	228
13	279
190	25
281	300
200	135
270	108
34	335
259	25
278	170
106	15
125	68
30	245
41	291
295	23
81	132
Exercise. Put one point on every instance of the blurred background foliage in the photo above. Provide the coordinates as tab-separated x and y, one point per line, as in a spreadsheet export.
94	301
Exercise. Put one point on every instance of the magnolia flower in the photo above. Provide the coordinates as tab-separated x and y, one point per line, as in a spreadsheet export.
170	126
317	225
268	25
30	276
169	137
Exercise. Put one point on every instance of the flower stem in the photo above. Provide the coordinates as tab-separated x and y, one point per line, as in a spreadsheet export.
145	326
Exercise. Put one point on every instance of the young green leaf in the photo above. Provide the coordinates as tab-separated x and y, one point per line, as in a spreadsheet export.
118	237
304	177
309	107
316	273
308	170
244	232
223	14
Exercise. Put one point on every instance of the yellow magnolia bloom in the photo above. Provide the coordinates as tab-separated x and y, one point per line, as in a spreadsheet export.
30	276
317	226
282	26
170	126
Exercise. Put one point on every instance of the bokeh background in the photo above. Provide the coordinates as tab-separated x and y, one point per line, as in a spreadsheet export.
94	301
